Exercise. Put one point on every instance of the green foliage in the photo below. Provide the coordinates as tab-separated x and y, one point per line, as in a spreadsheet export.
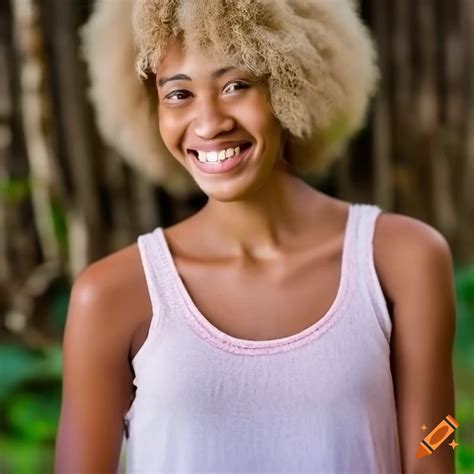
30	397
465	417
20	457
33	416
464	368
60	294
59	225
20	365
464	340
13	190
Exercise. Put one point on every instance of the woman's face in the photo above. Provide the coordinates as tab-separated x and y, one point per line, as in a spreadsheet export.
209	111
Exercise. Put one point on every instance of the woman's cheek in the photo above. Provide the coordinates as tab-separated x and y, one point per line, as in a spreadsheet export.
168	125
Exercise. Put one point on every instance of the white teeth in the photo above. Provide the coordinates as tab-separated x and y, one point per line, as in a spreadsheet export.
218	156
212	156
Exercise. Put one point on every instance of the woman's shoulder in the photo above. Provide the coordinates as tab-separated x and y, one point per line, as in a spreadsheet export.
112	292
404	247
116	275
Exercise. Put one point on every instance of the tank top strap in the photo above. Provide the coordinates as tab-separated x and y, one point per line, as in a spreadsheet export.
156	269
366	271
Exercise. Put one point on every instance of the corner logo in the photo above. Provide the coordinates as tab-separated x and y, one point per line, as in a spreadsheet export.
437	436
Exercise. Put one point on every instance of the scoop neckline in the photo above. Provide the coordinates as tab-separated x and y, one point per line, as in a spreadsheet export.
207	331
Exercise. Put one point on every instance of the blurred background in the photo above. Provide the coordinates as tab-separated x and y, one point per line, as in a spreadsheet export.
67	199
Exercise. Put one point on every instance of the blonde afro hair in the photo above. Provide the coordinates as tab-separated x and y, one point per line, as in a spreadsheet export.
317	56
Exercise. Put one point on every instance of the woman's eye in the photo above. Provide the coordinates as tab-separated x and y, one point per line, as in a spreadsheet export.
180	95
177	95
237	85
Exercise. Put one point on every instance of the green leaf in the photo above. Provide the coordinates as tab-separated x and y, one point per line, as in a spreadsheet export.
19	457
34	416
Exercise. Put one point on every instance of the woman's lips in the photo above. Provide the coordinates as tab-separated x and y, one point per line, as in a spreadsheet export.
222	166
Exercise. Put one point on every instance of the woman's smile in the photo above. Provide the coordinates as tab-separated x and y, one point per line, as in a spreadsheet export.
222	161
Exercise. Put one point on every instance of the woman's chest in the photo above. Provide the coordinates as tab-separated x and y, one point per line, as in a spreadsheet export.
256	303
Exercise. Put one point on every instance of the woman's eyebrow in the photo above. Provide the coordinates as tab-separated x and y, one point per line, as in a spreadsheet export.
183	77
177	77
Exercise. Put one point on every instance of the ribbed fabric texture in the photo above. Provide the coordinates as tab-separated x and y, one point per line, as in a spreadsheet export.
319	401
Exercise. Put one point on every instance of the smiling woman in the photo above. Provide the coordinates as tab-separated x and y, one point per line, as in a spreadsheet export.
278	329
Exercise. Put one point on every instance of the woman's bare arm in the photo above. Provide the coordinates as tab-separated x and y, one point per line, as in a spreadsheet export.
418	272
97	379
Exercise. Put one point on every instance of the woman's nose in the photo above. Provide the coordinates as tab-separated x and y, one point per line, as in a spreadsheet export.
211	120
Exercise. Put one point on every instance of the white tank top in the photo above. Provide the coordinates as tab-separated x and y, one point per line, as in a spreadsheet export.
319	401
